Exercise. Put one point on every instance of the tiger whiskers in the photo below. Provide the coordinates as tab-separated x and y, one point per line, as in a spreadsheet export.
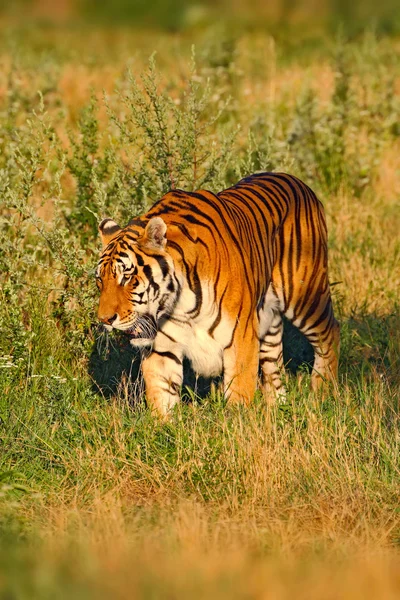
144	327
148	327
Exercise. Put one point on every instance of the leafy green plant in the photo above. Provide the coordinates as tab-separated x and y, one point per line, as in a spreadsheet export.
329	145
172	141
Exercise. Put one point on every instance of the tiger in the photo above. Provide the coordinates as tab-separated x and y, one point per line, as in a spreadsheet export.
209	277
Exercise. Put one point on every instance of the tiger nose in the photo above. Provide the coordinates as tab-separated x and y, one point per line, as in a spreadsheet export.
108	320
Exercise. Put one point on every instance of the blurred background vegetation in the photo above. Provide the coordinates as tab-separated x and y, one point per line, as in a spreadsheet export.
179	15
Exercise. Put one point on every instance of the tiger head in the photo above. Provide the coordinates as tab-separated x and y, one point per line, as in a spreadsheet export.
136	279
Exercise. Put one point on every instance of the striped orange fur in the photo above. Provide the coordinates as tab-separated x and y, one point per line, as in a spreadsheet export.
209	277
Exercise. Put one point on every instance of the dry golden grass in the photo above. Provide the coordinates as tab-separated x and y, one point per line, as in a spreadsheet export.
297	501
188	551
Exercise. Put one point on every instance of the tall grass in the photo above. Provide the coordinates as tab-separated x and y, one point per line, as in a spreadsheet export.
97	498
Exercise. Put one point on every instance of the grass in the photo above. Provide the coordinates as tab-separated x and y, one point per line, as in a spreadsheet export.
99	499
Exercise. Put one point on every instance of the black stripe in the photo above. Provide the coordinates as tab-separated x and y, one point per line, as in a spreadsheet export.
148	272
168	355
235	327
219	315
139	259
195	287
290	268
181	253
166	335
216	206
270	344
269	359
163	264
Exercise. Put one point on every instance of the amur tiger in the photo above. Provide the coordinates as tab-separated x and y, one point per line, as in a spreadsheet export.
209	276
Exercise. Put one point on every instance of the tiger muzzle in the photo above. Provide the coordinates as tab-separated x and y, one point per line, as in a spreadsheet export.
144	328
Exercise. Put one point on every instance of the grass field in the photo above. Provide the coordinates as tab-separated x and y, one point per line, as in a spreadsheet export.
97	498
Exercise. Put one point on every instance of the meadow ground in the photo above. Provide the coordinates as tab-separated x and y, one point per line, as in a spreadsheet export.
97	498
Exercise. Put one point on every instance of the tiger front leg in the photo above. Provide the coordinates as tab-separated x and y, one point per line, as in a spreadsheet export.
241	368
163	375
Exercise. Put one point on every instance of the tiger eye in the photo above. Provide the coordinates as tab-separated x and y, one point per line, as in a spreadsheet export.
125	279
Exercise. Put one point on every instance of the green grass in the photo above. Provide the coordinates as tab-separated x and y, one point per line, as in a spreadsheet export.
97	497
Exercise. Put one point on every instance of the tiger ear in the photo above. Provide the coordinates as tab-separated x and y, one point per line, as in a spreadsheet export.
108	230
154	235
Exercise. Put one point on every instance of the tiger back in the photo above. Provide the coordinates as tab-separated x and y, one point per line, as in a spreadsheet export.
210	276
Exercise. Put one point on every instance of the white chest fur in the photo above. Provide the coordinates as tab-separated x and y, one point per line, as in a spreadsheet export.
189	336
204	352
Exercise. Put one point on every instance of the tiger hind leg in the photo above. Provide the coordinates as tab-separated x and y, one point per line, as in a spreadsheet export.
324	335
271	360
